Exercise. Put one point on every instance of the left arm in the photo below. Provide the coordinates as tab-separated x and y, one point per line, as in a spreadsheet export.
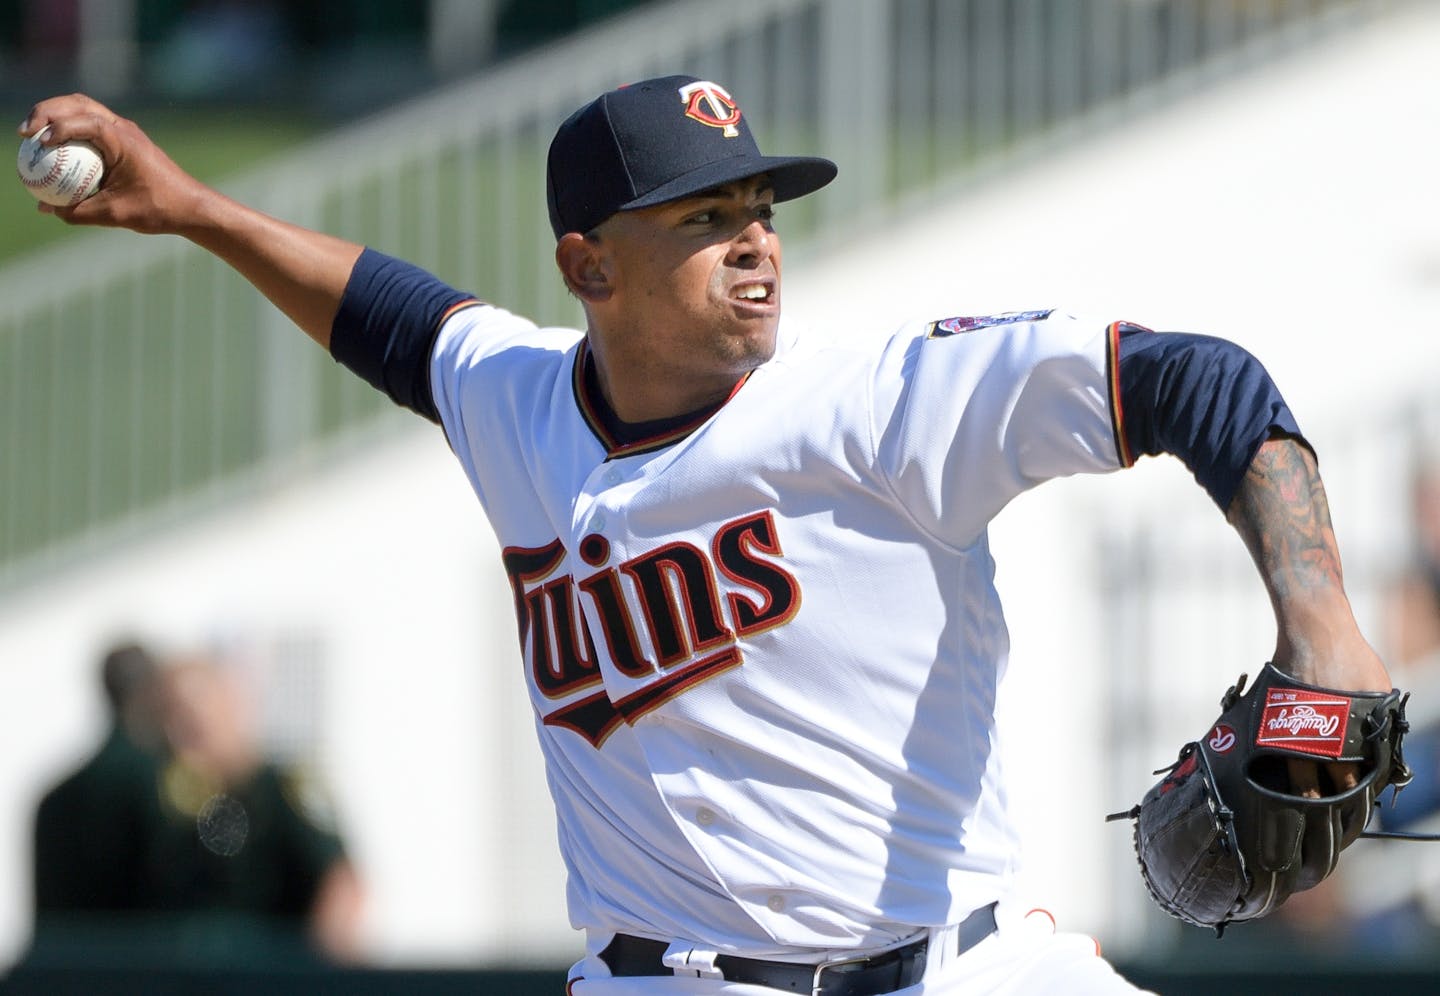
1213	405
1281	513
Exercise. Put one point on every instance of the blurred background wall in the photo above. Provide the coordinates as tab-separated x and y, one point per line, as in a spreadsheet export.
175	463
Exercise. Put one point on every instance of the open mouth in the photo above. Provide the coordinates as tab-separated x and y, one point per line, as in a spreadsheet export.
756	293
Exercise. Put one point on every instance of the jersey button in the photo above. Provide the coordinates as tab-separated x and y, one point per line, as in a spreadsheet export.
705	816
612	476
776	904
597	523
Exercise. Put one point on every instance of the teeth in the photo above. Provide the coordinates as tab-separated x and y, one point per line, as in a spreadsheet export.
755	292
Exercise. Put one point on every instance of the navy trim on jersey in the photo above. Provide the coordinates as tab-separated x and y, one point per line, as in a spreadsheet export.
1112	378
622	438
385	328
1205	400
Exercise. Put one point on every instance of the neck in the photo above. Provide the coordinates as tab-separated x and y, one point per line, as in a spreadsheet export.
638	394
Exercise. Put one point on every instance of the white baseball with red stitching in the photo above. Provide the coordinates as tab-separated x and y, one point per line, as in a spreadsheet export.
63	174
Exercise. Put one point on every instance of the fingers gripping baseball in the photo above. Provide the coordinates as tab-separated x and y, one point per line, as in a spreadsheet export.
143	190
69	117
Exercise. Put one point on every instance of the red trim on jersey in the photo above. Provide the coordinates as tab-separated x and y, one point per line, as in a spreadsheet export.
657	693
590	409
593	717
1117	409
1043	912
460	306
748	534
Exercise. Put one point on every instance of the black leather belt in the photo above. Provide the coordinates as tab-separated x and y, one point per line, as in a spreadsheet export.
629	956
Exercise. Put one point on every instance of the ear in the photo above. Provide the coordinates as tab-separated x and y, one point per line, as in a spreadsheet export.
583	264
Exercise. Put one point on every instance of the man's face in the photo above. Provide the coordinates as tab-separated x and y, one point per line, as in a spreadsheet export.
696	284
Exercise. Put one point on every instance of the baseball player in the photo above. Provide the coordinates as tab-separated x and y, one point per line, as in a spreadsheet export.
750	572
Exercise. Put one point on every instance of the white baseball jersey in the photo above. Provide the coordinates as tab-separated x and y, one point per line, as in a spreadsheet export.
763	650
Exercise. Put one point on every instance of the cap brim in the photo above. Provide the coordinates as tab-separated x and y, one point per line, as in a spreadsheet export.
790	177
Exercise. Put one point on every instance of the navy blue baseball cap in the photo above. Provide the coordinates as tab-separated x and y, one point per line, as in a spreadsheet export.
657	141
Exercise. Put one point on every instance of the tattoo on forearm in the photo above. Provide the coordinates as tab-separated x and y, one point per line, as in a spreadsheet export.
1284	518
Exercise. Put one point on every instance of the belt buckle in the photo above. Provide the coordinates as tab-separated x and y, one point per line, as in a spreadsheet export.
898	952
816	983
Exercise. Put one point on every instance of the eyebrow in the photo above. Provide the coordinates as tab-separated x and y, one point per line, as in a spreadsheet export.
729	191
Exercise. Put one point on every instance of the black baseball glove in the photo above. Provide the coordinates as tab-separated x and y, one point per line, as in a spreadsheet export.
1223	837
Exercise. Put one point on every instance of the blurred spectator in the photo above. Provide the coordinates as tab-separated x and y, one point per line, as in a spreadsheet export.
525	23
338	57
1383	899
1415	605
1415	626
1414	642
1414	646
93	830
179	839
50	28
241	834
224	49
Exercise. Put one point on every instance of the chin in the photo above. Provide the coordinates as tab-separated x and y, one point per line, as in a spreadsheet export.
757	348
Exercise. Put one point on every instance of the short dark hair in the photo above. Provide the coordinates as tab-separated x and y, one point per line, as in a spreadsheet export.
126	669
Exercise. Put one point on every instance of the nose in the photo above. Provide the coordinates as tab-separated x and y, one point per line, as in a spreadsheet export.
751	246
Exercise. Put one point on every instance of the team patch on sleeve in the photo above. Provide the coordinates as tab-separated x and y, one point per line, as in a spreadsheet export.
969	323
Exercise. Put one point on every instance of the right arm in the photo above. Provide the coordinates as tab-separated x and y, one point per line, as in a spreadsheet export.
302	272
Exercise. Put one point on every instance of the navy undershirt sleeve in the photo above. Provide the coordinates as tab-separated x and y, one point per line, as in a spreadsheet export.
1205	400
385	327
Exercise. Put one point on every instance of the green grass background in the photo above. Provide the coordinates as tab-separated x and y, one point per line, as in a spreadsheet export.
209	144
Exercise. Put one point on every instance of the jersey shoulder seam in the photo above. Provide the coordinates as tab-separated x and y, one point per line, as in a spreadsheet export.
916	343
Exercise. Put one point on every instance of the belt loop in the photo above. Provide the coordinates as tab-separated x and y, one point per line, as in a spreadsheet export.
943	947
955	940
692	962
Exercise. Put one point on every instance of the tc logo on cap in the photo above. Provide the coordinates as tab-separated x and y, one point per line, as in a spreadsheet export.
709	104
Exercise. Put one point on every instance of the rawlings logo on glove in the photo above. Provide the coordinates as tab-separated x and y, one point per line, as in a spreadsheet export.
1222	837
1305	722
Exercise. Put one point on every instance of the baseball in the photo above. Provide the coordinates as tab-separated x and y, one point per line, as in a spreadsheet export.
63	174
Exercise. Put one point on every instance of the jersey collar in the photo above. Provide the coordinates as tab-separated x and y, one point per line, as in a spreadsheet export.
621	438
